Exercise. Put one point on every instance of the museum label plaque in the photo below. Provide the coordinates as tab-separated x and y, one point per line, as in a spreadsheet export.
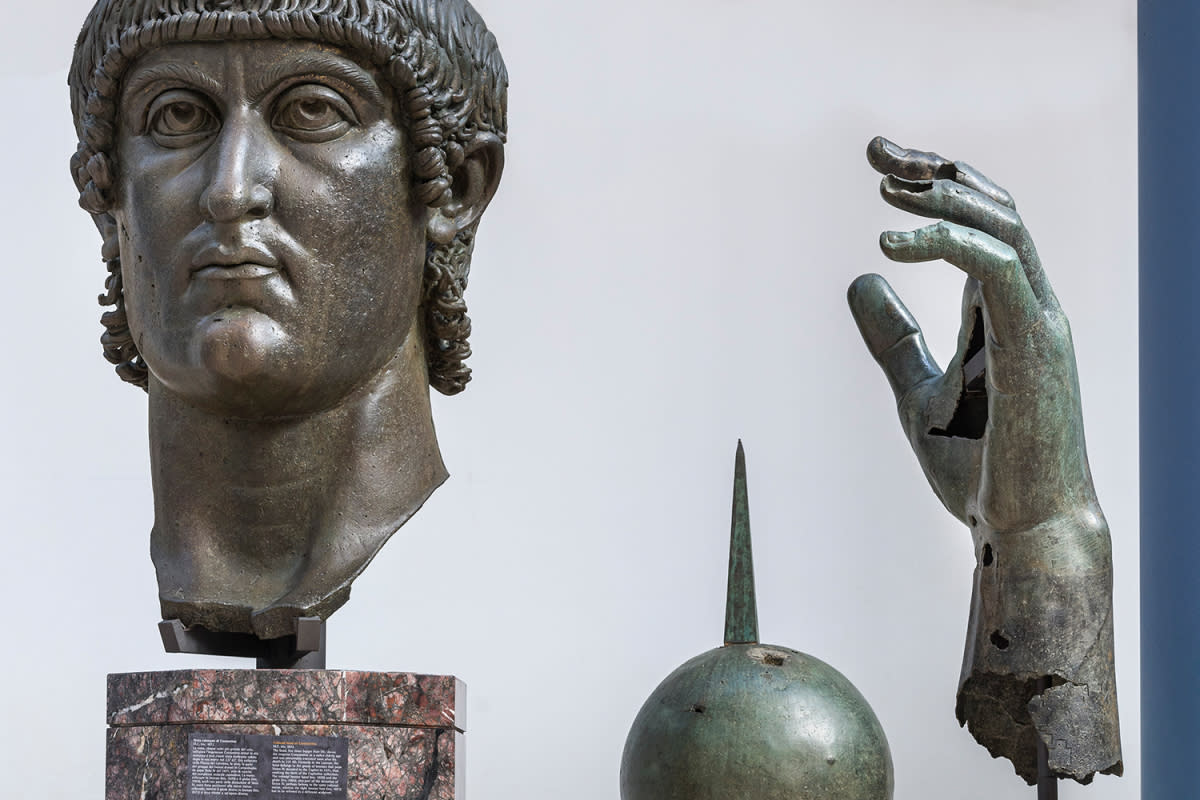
237	767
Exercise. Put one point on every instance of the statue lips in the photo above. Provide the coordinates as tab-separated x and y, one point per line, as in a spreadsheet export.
215	261
236	275
234	272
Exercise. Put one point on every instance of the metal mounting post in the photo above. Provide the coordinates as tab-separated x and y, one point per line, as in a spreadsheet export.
304	649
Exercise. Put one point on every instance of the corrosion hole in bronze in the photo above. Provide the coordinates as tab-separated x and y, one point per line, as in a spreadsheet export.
987	555
999	640
971	413
699	709
912	187
769	658
1049	682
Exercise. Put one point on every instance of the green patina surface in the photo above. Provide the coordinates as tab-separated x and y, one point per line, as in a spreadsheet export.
750	720
741	610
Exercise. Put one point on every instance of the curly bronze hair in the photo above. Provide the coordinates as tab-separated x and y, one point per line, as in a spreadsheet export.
438	55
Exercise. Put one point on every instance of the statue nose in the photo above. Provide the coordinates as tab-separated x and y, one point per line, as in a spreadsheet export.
239	186
249	202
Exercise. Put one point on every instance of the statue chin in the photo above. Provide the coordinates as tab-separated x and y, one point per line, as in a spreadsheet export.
238	345
239	363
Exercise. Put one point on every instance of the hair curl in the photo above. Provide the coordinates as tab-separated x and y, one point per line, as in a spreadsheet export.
438	55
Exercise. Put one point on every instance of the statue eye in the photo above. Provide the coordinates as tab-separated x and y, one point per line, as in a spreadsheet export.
313	113
180	119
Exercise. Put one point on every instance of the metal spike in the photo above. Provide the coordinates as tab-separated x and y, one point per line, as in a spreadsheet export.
741	609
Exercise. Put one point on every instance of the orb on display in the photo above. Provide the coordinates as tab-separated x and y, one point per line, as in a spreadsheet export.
749	720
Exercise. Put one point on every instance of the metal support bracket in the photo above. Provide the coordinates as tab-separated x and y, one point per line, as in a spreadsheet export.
304	649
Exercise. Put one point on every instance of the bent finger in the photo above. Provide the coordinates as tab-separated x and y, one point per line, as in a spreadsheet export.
1010	305
915	165
961	204
953	201
969	176
891	334
921	165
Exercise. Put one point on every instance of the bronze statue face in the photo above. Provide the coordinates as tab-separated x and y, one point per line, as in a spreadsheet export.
288	193
271	246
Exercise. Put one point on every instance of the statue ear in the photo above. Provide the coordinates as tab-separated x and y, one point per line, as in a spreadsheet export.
473	184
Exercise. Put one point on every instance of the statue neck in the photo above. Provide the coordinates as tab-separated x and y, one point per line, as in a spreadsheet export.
260	521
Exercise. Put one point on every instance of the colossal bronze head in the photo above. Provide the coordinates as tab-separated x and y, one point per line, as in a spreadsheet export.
288	193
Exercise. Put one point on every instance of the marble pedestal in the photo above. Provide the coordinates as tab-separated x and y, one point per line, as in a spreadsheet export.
404	732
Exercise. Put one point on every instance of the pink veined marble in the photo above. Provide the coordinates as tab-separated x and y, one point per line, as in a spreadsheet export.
404	731
206	695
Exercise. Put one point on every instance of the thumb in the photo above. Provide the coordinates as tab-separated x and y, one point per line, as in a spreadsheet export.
891	334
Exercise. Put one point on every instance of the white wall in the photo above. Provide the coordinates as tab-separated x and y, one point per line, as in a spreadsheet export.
663	271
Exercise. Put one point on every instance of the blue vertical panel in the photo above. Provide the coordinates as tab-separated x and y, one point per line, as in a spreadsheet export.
1169	328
